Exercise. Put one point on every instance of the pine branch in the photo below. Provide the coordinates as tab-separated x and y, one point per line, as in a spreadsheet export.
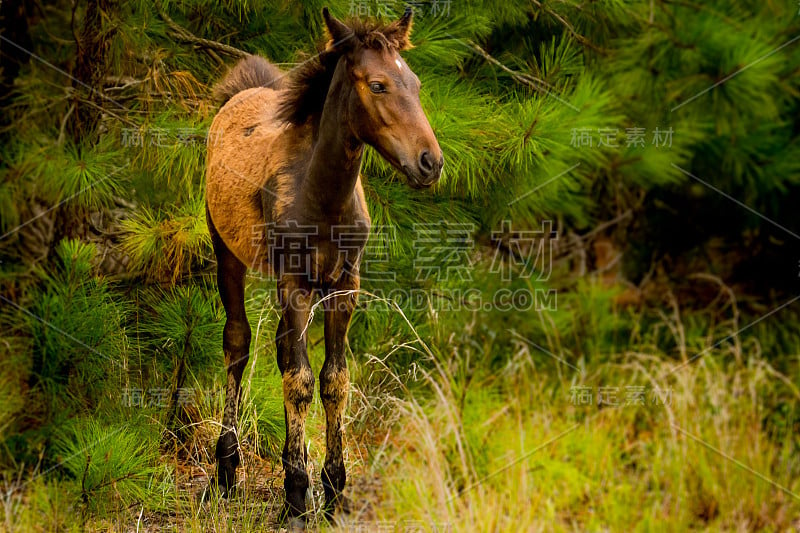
520	77
119	83
101	110
186	36
62	130
570	28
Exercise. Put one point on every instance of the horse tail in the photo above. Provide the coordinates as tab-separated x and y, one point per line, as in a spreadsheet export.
252	71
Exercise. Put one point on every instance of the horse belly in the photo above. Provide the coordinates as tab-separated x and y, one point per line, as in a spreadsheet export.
239	219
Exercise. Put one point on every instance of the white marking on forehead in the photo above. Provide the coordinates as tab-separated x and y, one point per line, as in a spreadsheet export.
399	64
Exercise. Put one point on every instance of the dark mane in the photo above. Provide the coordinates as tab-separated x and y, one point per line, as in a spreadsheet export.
308	83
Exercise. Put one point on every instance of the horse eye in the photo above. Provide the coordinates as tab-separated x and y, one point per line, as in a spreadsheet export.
377	87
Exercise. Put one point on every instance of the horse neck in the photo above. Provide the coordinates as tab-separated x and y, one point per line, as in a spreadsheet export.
337	154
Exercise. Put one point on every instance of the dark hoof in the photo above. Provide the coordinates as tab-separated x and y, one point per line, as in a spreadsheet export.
339	504
225	481
216	488
227	454
292	518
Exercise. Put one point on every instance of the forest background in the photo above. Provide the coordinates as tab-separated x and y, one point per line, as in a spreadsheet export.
589	324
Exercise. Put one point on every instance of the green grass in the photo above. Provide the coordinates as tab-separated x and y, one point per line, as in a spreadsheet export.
482	432
527	460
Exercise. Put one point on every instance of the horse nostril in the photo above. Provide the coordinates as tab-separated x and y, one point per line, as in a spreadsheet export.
426	163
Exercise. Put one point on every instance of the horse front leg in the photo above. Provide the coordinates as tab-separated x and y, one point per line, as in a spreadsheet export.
334	387
298	392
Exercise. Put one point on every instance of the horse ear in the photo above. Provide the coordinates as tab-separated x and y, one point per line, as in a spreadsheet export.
404	24
404	28
338	30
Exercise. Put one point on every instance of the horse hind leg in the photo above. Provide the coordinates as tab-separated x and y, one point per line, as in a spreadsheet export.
236	346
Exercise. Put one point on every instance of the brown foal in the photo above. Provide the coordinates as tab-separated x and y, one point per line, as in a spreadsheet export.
284	196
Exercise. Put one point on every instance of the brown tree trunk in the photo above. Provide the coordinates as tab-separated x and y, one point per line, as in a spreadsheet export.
90	68
13	54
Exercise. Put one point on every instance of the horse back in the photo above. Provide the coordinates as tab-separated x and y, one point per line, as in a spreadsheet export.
249	177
